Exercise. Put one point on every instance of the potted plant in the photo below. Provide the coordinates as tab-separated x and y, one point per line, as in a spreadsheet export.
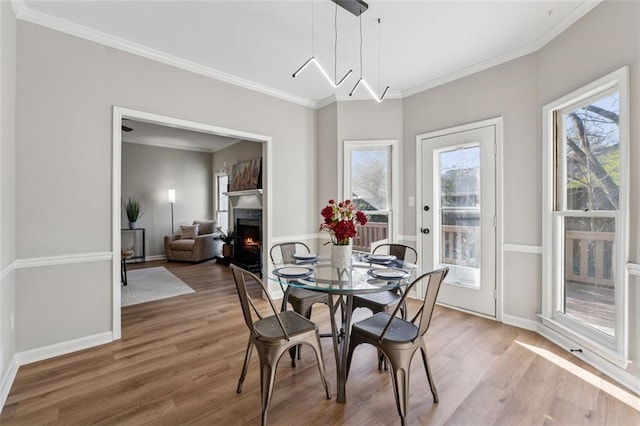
227	238
134	211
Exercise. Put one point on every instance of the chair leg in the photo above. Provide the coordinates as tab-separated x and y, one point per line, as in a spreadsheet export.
317	348
245	367
434	392
353	342
268	366
400	376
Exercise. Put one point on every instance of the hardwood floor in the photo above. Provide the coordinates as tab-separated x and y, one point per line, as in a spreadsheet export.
179	360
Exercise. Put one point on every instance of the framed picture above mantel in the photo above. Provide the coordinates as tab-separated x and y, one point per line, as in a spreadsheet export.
246	175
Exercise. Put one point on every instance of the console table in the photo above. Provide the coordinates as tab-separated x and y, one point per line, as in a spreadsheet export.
134	239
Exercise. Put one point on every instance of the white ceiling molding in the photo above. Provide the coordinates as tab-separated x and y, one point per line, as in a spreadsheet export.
38	18
23	12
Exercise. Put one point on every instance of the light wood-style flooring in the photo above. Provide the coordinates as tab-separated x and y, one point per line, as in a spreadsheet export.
179	360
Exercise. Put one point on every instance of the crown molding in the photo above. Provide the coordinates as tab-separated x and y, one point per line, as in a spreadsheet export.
26	14
573	16
38	18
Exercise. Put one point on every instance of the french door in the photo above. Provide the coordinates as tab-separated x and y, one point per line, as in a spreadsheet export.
458	214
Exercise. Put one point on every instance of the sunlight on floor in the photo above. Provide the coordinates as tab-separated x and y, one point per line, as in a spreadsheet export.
613	390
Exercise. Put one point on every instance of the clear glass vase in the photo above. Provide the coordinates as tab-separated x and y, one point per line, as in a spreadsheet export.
341	255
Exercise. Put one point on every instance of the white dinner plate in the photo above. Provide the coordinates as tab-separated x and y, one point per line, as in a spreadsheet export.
388	273
305	256
381	258
293	271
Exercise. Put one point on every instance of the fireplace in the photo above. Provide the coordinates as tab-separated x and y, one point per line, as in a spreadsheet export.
248	243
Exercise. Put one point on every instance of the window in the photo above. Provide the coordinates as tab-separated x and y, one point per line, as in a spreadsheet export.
222	201
370	182
586	215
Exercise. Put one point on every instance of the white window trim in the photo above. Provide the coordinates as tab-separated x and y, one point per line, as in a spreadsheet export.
216	206
395	176
618	352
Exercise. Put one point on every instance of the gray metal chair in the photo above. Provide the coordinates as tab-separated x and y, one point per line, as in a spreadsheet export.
399	339
301	300
272	336
386	301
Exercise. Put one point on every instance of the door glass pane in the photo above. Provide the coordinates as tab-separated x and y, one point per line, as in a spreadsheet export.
589	294
593	154
459	187
370	177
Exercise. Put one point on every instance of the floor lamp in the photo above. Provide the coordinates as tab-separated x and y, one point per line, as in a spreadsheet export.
172	200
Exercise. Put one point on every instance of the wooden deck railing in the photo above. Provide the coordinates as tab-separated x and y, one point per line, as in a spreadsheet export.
369	233
460	245
589	257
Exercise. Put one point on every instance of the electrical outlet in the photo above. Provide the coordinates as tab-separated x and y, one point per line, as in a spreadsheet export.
12	321
412	201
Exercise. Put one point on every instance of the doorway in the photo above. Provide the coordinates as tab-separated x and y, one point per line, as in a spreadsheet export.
458	213
123	113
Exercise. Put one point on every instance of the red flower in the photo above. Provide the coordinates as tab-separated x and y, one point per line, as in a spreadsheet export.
340	220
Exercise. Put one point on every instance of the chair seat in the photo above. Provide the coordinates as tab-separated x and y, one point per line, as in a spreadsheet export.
400	331
377	302
268	328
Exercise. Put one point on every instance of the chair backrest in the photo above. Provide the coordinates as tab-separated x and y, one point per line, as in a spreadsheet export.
286	251
247	304
400	251
434	279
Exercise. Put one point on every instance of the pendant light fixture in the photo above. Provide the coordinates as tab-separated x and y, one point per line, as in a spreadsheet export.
362	80
314	60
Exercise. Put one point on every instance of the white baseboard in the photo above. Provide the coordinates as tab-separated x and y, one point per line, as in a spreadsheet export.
156	257
618	374
63	348
7	381
520	322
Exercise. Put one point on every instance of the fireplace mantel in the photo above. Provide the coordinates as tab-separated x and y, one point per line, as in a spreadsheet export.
245	192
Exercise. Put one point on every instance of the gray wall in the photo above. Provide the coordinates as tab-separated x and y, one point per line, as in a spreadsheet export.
7	183
509	91
603	41
149	171
64	79
613	31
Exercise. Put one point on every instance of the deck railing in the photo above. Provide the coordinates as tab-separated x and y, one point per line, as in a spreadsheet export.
369	233
589	257
460	245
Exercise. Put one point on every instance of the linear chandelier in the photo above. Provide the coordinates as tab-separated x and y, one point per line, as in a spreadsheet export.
362	80
314	60
356	7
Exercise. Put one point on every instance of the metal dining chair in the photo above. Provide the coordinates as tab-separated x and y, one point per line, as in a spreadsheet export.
399	339
386	301
272	336
301	300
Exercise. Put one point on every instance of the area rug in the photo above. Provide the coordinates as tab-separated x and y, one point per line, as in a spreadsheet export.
145	285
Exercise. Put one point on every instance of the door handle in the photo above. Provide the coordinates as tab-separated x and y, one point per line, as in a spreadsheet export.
425	230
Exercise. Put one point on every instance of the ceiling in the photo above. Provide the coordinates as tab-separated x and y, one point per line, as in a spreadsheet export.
259	44
144	133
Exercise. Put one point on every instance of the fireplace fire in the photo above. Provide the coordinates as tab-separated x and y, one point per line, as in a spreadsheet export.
248	246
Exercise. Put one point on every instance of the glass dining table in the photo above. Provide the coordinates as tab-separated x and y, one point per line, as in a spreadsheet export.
366	275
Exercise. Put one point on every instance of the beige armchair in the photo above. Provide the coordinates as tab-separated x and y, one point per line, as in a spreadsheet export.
195	243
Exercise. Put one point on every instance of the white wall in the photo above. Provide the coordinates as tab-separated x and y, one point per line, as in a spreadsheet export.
7	193
67	88
149	171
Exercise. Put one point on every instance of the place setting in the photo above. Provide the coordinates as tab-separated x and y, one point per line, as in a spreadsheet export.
302	258
293	271
382	259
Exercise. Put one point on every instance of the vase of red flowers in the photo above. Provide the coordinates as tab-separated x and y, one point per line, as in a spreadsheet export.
340	221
